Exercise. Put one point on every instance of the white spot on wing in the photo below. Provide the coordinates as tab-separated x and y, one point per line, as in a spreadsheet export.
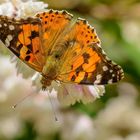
11	27
103	52
99	76
98	79
9	37
5	24
107	58
7	43
121	70
105	68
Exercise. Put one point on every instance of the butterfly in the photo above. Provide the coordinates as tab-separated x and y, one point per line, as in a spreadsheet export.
60	48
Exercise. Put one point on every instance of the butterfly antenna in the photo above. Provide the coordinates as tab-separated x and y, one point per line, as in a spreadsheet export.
53	109
23	99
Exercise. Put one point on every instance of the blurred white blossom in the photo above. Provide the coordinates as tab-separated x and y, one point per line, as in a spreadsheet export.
19	8
120	119
9	127
70	93
79	127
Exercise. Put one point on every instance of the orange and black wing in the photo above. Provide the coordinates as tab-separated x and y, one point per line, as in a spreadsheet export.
22	37
54	23
85	62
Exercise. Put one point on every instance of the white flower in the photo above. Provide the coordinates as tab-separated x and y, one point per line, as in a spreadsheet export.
18	8
121	116
29	8
76	126
10	126
7	11
72	93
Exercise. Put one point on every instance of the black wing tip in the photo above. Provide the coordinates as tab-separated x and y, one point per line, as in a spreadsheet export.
114	69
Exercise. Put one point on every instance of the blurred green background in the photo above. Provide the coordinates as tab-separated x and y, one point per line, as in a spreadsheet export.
115	116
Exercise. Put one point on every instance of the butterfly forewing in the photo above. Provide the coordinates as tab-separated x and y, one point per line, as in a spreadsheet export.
22	37
53	24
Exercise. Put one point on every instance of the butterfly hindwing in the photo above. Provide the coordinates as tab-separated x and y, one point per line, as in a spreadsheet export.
86	62
22	38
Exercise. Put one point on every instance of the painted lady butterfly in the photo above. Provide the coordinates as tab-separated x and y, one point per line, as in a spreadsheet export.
59	48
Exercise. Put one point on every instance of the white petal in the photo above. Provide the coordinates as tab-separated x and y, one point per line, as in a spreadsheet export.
70	93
